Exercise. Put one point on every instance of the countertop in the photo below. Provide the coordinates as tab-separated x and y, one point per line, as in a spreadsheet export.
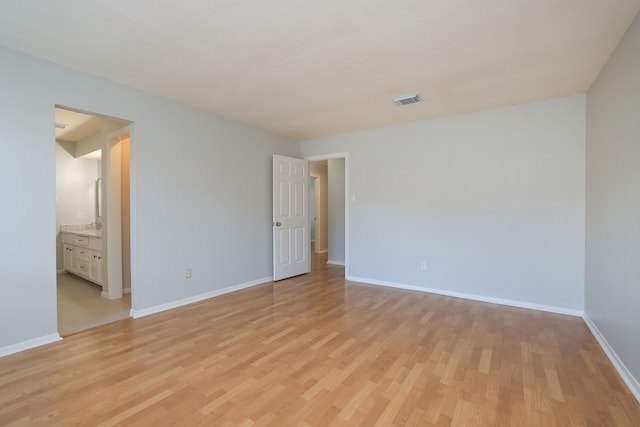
81	230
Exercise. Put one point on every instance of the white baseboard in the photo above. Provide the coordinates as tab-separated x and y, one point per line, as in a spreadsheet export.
334	262
492	300
26	345
126	291
322	251
196	298
626	376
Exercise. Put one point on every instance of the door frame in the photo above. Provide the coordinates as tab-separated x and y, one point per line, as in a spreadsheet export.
110	139
347	197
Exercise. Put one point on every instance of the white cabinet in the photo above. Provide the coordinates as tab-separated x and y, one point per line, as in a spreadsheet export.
69	257
83	256
95	267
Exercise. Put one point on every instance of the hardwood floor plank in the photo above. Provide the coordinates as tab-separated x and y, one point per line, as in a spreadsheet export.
318	350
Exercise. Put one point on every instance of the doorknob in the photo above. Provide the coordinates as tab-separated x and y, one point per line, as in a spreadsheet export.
277	224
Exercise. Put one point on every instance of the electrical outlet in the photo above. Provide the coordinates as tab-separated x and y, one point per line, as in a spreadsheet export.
187	273
423	265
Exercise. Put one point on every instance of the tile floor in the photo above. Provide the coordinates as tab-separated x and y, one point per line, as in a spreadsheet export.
81	307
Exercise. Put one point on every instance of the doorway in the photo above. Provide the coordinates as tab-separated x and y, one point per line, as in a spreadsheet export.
329	174
87	248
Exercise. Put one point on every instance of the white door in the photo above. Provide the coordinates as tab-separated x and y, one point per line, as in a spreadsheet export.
290	217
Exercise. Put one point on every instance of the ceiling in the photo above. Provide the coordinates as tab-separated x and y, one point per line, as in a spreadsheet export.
77	126
308	68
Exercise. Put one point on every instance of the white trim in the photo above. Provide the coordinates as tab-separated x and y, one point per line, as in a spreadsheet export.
322	251
627	377
26	345
196	298
492	300
334	262
126	291
330	156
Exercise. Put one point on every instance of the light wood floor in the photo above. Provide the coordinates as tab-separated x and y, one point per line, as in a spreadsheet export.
81	306
316	350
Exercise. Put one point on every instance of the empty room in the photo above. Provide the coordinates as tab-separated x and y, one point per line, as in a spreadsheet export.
469	256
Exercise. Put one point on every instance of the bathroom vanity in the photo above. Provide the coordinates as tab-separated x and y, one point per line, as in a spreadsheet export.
82	250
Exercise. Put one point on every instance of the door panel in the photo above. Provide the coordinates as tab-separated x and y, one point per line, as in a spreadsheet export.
290	217
299	244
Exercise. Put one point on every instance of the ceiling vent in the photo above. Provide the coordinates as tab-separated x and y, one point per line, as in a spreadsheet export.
61	125
407	99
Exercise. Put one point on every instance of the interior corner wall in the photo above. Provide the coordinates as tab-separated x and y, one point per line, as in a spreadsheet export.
336	207
612	279
492	201
203	198
125	206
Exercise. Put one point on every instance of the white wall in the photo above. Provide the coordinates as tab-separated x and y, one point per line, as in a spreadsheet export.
335	196
75	192
197	198
493	201
612	282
